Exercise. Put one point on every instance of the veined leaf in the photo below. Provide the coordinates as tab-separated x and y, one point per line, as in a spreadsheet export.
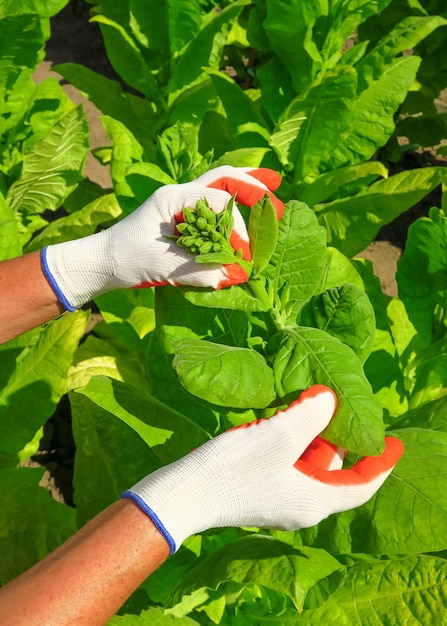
44	8
299	259
53	168
21	44
262	560
236	297
32	524
112	420
78	224
9	236
126	151
306	132
342	182
224	375
346	313
372	115
205	49
136	113
352	223
405	36
127	60
263	233
422	273
37	383
406	516
406	590
153	616
308	356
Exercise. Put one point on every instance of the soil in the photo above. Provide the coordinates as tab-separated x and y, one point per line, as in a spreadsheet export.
76	40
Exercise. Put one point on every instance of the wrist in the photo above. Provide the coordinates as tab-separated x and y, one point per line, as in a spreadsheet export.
79	270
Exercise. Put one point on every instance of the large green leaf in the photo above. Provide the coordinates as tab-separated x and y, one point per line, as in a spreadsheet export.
408	590
224	375
21	43
44	8
308	356
409	512
422	274
126	151
127	60
314	122
53	168
262	560
299	259
36	384
352	223
32	524
9	236
372	115
78	224
346	313
263	233
205	49
136	113
405	36
154	616
112	421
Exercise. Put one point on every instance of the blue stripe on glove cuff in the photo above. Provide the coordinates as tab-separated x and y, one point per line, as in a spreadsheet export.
55	287
153	516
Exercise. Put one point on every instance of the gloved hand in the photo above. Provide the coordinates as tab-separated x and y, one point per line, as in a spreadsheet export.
135	252
273	473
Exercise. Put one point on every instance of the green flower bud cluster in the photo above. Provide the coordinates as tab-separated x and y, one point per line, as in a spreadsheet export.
203	231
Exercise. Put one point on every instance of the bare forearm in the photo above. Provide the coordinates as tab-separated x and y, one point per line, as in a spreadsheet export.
26	298
87	579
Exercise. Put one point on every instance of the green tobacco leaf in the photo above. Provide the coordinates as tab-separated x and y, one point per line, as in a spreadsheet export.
113	420
32	524
341	182
428	372
241	112
308	356
340	270
224	375
346	313
431	415
154	616
407	515
314	122
136	113
44	8
263	233
126	151
9	235
36	384
285	24
404	36
408	590
261	560
372	115
78	224
127	60
205	49
236	297
144	178
422	273
21	43
53	168
352	223
394	333
178	21
299	259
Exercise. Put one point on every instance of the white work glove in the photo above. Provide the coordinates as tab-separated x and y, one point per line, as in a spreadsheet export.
274	473
135	251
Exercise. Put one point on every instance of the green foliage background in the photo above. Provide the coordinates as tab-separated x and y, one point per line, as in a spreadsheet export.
320	91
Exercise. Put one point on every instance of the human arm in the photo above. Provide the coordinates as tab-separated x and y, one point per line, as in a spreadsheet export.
27	299
275	473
